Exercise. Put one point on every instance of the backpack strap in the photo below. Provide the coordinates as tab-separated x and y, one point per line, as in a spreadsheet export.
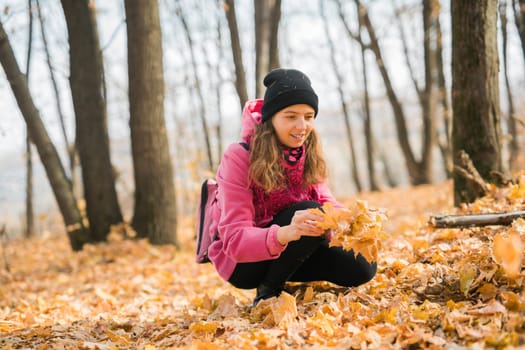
245	145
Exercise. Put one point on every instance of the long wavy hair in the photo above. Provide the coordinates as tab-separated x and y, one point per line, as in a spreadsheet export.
266	170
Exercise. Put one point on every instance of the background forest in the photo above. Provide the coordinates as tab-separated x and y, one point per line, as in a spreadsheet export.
113	112
385	125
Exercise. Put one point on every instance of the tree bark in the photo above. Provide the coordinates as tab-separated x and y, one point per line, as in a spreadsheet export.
519	19
430	13
70	148
267	15
471	220
202	104
511	118
369	139
30	215
369	136
475	92
92	140
346	114
446	144
60	184
418	174
155	207
240	76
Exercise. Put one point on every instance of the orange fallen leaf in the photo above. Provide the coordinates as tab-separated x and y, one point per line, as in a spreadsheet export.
507	251
284	309
358	229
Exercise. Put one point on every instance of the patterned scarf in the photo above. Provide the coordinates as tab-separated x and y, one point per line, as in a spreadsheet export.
292	155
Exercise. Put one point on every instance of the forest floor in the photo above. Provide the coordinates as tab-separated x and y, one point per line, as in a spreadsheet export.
435	288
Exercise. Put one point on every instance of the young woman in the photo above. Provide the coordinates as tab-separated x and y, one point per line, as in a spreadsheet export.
267	184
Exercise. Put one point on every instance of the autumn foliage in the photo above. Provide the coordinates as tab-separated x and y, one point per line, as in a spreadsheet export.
435	288
357	228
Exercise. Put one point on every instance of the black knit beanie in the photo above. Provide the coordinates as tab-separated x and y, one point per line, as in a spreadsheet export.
286	87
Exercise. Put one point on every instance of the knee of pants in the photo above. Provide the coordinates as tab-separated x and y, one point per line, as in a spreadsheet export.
284	217
306	205
371	271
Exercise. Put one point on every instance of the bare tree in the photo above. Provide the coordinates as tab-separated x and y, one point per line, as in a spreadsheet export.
433	89
346	113
219	82
70	148
419	171
30	216
444	143
267	15
89	101
519	18
198	87
56	175
240	75
475	93
511	118
155	214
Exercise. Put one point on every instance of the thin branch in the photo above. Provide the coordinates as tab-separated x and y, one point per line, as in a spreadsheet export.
467	169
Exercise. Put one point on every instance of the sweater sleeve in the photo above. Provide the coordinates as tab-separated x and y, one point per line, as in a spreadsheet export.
241	240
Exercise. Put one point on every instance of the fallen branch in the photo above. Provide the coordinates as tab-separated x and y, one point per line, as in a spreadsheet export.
471	220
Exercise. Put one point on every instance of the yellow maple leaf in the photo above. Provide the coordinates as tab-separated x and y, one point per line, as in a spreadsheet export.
332	217
358	228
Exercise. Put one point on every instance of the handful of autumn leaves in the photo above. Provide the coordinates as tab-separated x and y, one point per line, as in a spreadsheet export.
358	227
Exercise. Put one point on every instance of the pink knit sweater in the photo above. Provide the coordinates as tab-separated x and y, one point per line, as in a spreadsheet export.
242	212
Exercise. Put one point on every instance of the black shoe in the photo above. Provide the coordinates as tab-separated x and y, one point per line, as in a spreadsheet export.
265	292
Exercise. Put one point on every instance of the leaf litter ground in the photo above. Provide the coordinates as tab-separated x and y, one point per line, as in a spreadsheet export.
446	288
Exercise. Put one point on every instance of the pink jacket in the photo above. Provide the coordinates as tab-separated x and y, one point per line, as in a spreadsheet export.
242	238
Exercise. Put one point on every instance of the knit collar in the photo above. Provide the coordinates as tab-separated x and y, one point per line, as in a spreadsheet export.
292	155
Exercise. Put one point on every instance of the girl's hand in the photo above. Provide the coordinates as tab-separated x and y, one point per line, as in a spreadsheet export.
303	223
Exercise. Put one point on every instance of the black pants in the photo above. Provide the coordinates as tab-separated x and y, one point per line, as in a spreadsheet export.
305	260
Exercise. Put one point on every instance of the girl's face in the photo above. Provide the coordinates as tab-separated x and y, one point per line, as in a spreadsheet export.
293	124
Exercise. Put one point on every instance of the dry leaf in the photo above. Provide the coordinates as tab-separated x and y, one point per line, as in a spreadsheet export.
358	229
507	252
284	309
517	191
308	294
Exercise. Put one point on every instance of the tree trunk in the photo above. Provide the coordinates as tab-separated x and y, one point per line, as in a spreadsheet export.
30	215
240	76
70	148
511	118
60	185
430	13
369	137
219	83
519	18
267	17
475	91
155	207
275	20
417	176
346	115
87	87
446	144
202	103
